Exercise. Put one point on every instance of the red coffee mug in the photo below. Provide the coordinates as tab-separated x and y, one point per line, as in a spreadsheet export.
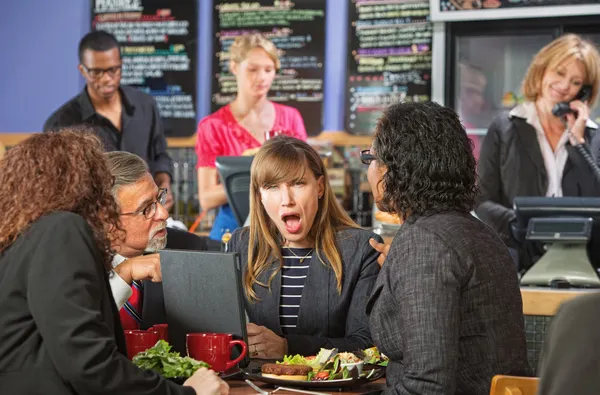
163	331
138	341
214	349
269	134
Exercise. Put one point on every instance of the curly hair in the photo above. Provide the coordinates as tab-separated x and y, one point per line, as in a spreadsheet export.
428	160
63	171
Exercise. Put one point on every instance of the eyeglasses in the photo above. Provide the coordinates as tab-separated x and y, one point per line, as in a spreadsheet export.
366	157
150	210
98	73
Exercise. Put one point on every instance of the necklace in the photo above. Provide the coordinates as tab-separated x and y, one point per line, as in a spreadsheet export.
304	257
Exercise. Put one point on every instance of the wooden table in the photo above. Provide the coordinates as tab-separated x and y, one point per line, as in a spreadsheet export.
239	387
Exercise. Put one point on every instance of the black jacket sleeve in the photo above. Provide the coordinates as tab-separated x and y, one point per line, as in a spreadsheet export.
66	289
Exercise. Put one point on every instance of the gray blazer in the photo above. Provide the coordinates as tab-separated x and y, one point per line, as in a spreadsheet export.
327	318
570	359
446	308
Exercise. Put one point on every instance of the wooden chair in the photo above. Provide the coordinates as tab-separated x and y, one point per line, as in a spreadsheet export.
539	306
513	385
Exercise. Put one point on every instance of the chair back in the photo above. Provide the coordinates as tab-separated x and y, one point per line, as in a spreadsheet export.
539	306
235	176
513	385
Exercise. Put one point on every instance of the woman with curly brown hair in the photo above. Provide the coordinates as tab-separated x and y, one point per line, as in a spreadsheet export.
59	325
446	307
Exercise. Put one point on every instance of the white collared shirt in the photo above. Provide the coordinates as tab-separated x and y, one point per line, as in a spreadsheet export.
120	289
554	161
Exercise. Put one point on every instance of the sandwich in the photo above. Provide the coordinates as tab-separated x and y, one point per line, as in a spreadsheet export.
286	372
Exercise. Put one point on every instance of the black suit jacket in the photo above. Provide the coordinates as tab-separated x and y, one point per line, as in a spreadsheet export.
570	360
59	325
326	318
446	308
511	164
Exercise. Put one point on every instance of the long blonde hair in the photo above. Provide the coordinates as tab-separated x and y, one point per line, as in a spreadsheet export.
286	159
556	53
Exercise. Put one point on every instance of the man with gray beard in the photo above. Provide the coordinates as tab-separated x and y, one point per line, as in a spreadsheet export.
144	232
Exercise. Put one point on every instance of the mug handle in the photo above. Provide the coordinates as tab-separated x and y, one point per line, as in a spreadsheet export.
231	364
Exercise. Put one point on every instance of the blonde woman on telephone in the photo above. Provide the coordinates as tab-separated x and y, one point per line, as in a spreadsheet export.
529	151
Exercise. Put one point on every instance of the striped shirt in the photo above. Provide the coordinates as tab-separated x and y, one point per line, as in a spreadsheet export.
293	275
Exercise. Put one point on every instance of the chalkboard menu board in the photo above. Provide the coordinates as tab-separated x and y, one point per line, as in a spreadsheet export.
389	59
159	51
297	28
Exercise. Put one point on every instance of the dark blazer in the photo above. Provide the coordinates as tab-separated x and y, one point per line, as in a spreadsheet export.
511	164
570	359
446	308
153	303
327	318
59	325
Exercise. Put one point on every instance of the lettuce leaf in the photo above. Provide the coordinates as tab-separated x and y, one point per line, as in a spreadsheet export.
169	364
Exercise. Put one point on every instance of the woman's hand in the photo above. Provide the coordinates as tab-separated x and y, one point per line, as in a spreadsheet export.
382	248
577	125
206	382
263	343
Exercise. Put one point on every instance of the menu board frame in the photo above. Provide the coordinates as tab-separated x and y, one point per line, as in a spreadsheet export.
407	82
512	12
175	82
308	109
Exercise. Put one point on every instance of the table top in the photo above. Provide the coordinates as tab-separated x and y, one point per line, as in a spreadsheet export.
239	387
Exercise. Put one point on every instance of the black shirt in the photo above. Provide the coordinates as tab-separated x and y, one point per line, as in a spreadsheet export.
141	127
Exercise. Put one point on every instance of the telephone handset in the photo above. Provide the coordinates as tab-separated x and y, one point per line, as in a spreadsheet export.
563	108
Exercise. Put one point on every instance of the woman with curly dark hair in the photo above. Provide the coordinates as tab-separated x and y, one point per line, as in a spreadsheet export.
446	307
59	326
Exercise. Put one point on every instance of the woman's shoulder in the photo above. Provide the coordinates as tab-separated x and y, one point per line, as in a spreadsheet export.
285	110
240	238
60	225
215	120
62	219
503	121
357	238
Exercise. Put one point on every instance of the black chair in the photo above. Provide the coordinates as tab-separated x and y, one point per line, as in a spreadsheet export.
235	176
153	304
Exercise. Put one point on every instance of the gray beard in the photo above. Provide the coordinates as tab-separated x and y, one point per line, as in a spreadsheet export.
155	244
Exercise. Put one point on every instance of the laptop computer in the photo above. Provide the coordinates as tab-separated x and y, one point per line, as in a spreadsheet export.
203	293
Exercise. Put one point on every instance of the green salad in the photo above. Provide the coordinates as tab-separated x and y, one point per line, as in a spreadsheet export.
169	364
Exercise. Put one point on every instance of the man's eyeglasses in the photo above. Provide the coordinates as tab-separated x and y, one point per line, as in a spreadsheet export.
366	157
150	210
98	73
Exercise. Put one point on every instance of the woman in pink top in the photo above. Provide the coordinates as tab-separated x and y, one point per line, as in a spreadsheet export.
241	125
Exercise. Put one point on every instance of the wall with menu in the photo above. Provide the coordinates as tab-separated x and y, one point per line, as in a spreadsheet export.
389	58
297	28
159	51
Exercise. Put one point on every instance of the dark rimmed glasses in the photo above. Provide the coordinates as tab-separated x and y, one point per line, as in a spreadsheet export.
98	73
150	210
367	157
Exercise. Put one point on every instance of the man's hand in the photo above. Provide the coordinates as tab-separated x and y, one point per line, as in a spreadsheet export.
264	343
144	267
163	180
382	248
